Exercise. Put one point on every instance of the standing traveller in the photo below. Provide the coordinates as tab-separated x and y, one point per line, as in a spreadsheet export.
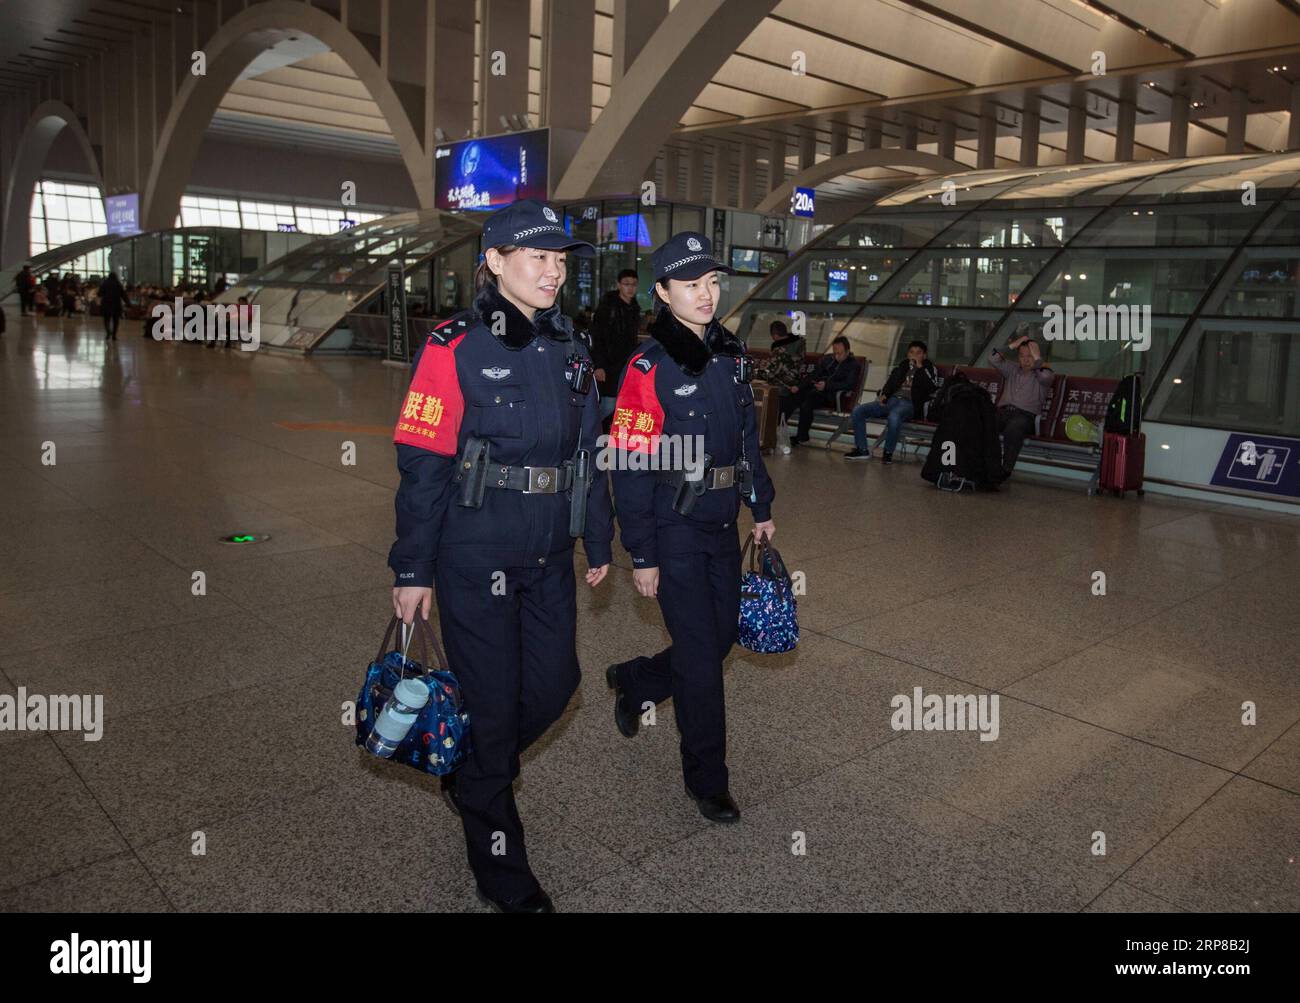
111	296
25	281
614	329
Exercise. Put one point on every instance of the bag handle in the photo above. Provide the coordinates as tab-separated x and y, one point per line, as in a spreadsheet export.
756	554
747	554
420	628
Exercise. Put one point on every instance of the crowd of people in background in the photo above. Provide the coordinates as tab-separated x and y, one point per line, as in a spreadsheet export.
69	294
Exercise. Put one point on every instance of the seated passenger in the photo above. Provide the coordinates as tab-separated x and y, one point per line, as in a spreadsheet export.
1025	384
835	372
784	366
905	394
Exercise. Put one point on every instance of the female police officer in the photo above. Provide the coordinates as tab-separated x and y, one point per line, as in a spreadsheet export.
679	524
492	445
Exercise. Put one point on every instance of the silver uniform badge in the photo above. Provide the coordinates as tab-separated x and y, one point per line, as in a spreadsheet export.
685	390
495	373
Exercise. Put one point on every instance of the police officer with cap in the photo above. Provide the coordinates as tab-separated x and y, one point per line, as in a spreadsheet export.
495	446
685	400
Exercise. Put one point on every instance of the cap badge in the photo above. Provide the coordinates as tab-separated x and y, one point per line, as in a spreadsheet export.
549	213
693	244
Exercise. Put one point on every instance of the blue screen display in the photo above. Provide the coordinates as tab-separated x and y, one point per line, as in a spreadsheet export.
492	171
837	285
122	214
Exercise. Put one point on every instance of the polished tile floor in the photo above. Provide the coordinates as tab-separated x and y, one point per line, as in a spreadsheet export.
1120	716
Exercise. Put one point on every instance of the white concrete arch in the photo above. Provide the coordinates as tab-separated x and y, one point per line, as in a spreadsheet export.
47	121
846	163
230	49
678	61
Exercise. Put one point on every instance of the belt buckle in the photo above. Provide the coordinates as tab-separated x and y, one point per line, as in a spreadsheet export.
723	477
541	481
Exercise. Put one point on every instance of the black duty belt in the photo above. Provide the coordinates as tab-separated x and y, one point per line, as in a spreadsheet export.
530	480
715	478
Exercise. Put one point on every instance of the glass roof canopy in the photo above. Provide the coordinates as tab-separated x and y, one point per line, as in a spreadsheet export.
1211	245
306	293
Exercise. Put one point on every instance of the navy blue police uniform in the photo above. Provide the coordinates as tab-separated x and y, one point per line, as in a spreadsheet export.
486	441
682	385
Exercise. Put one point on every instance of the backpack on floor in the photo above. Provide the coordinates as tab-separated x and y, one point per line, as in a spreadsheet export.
967	431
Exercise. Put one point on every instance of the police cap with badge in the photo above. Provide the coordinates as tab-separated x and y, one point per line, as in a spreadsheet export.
686	255
530	223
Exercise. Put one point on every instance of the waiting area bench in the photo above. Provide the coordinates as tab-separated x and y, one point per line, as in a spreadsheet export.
834	420
1068	396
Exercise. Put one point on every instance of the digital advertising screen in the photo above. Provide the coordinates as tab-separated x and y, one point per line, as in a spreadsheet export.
491	171
837	284
122	214
628	229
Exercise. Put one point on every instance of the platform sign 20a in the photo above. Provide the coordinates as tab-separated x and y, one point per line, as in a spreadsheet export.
802	202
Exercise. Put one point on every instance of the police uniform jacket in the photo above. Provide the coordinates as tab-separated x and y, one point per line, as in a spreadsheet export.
513	389
682	385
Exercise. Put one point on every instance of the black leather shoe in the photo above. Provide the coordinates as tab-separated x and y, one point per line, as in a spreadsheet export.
625	716
447	787
717	807
538	901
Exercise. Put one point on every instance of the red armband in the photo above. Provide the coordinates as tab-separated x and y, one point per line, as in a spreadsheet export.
433	407
638	417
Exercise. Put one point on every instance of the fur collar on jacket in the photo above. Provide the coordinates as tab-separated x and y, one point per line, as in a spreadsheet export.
519	329
686	348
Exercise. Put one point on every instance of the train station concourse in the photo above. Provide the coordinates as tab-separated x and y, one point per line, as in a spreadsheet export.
1008	429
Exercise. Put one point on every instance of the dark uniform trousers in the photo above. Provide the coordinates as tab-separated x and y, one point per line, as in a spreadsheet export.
699	594
516	658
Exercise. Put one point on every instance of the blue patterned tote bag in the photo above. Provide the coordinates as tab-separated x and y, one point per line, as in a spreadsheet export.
411	712
767	606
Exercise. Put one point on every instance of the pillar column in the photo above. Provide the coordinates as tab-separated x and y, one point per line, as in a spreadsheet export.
719	194
449	63
504	93
634	22
947	139
1125	126
986	149
776	162
1235	138
1029	128
745	198
695	173
1076	133
568	27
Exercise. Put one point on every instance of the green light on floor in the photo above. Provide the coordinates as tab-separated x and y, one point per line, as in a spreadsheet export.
245	538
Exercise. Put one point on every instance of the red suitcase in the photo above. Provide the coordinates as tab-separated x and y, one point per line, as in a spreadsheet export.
1123	462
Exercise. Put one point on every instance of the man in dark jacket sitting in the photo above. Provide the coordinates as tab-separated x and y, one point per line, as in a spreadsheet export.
904	395
835	372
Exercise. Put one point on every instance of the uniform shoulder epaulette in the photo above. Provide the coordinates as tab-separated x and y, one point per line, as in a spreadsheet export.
647	354
457	324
